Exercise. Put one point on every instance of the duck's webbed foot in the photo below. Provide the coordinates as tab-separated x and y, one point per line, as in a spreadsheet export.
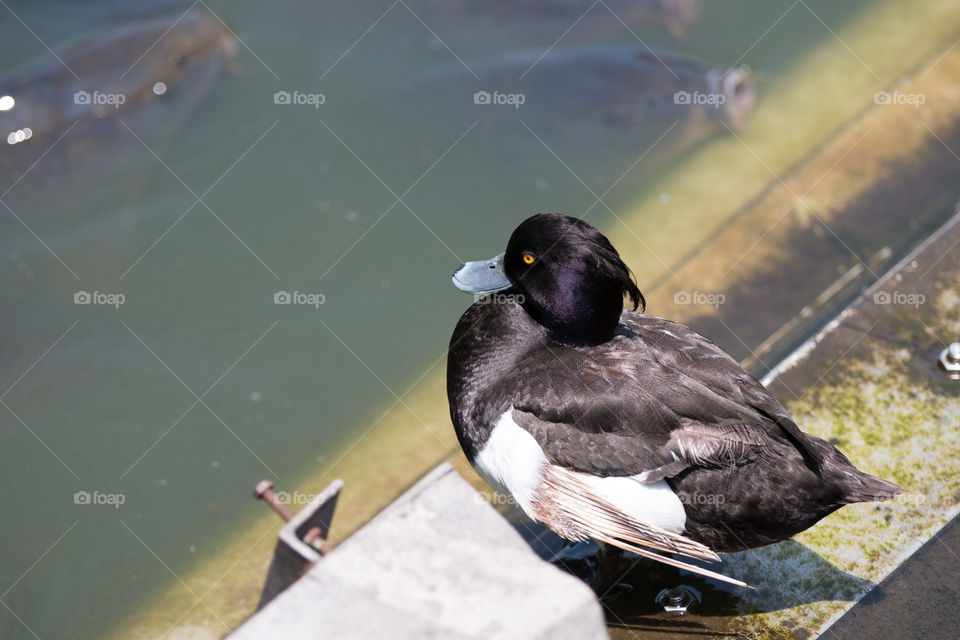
608	574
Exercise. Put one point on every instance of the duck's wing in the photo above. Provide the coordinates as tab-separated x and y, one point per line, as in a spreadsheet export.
654	401
686	351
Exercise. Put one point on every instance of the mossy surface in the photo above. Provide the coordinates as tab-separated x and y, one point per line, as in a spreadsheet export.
893	426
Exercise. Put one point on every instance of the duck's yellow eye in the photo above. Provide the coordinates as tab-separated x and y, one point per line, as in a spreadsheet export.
528	259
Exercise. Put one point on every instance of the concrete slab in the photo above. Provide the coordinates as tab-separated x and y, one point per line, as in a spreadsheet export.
438	562
919	600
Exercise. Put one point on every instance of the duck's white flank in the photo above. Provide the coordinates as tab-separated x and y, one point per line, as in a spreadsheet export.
512	462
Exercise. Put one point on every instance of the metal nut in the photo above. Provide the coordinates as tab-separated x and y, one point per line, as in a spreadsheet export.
678	599
950	360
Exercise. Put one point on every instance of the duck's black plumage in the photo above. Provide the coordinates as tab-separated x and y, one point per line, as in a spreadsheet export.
612	392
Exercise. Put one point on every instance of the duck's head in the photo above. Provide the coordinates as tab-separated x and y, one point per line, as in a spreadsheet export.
564	273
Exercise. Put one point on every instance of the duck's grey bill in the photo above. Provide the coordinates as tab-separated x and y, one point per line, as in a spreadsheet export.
482	276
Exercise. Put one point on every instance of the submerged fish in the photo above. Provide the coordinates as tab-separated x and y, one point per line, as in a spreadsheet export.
601	106
470	27
610	115
148	73
616	85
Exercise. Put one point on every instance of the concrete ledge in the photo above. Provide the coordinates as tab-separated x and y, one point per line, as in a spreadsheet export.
438	562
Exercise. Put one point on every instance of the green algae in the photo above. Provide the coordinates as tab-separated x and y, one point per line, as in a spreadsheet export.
895	425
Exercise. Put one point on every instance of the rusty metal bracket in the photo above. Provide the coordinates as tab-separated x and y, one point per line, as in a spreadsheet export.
302	542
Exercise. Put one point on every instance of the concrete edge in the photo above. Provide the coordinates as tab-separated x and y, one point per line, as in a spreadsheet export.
797	355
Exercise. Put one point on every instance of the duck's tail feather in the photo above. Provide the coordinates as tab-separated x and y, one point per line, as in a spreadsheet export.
626	546
863	487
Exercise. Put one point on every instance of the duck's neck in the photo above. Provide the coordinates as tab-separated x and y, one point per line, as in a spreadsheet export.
579	315
490	340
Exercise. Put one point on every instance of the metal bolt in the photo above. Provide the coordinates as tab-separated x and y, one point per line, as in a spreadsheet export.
953	352
315	540
678	599
950	360
264	491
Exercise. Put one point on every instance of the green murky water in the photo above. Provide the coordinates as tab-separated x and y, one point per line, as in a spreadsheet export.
178	400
